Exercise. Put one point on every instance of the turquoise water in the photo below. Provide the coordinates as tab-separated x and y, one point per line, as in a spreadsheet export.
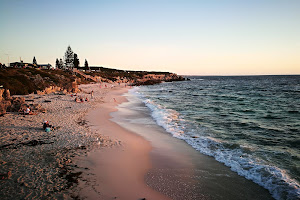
249	123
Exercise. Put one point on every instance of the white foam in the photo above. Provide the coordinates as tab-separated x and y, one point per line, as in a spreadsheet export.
276	180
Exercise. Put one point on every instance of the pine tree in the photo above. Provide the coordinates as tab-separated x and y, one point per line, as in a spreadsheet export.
86	65
57	64
34	61
76	61
69	59
61	64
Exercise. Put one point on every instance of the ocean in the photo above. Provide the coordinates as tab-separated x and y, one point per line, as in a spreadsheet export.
249	123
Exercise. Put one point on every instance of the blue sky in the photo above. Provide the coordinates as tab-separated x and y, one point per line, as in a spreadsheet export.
212	37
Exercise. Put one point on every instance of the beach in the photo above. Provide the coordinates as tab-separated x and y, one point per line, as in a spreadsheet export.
174	169
39	165
107	148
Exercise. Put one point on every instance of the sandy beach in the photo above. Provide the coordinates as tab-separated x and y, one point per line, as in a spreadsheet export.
98	153
148	163
39	165
118	172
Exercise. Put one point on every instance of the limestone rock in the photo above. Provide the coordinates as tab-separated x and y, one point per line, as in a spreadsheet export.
3	106
1	94
7	94
16	103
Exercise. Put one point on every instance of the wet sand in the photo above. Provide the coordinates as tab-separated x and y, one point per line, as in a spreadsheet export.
149	163
119	172
178	170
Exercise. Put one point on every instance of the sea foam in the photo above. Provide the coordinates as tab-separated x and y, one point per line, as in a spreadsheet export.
274	179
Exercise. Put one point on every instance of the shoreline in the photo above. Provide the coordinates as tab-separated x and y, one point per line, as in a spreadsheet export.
178	170
147	161
117	172
97	154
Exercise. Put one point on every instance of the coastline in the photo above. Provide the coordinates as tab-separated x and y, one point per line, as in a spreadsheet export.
149	163
178	170
97	154
117	172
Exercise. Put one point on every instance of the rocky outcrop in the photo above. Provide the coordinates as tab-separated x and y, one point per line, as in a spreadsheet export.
72	87
16	104
4	94
3	106
5	101
7	94
49	90
1	94
151	79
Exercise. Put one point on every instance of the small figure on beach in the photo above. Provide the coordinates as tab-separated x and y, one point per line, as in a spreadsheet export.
27	111
92	94
86	99
47	127
115	100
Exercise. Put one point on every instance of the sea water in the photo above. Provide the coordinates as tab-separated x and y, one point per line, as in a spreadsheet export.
249	123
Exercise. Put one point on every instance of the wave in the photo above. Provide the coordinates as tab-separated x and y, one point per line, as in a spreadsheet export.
237	157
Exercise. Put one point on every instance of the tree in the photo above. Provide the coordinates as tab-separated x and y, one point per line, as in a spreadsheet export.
34	61
57	64
76	61
86	65
61	64
69	59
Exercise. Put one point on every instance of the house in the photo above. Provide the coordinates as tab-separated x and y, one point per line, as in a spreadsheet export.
29	65
21	64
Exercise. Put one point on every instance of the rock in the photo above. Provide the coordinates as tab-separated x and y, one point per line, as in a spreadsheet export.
43	110
4	105
16	103
35	106
1	94
7	94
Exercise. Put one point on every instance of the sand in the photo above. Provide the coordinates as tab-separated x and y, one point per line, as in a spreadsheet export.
118	172
40	163
174	169
92	156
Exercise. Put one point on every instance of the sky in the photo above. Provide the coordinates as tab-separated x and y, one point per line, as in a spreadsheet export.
187	37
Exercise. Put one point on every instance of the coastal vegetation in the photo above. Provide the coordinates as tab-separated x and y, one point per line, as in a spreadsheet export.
33	78
23	81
